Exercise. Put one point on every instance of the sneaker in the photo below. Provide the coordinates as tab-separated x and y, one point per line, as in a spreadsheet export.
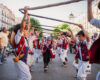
47	66
66	59
45	69
31	70
64	63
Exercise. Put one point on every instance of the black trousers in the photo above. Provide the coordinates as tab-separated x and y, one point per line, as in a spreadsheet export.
46	57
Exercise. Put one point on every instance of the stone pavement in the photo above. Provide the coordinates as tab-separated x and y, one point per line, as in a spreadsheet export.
56	70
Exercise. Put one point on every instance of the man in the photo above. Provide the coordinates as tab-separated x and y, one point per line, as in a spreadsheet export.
47	53
95	49
83	52
3	43
64	47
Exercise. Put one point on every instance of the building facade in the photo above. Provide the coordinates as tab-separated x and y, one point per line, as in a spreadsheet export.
7	18
18	20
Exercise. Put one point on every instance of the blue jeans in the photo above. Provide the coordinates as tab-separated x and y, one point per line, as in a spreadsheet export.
2	54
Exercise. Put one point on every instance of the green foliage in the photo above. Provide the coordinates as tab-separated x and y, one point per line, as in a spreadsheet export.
35	23
11	28
62	27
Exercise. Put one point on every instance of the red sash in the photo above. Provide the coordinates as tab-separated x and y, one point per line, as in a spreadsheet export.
65	44
20	47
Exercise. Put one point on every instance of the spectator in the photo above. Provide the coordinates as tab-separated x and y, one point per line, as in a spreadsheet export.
3	44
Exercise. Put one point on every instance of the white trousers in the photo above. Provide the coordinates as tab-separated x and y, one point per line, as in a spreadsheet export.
22	70
58	50
75	65
84	68
30	60
37	53
98	76
63	55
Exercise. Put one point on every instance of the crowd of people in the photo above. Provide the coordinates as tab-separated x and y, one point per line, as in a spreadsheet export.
29	48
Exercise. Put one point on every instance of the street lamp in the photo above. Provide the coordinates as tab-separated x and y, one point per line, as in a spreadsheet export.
71	16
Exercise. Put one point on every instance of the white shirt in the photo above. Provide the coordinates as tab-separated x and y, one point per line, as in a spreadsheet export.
4	39
30	39
95	22
18	37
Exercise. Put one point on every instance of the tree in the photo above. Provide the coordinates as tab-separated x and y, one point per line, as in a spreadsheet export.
34	23
62	27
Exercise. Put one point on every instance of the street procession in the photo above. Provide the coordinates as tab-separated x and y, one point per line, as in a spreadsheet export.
49	39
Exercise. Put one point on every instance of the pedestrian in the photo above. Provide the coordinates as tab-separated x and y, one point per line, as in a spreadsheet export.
95	49
84	45
3	44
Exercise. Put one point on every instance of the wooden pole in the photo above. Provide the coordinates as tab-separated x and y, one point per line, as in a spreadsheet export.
46	26
55	31
53	5
50	18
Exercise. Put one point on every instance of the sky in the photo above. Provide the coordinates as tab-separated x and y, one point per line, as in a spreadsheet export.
59	12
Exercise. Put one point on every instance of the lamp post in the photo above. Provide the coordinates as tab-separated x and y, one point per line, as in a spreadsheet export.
71	16
72	19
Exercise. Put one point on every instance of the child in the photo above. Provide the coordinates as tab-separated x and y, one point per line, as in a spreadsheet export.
83	53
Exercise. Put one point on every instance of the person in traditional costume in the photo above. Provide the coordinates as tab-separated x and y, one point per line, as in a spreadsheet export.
54	44
30	39
22	48
59	45
64	49
38	52
75	50
95	48
47	53
84	45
